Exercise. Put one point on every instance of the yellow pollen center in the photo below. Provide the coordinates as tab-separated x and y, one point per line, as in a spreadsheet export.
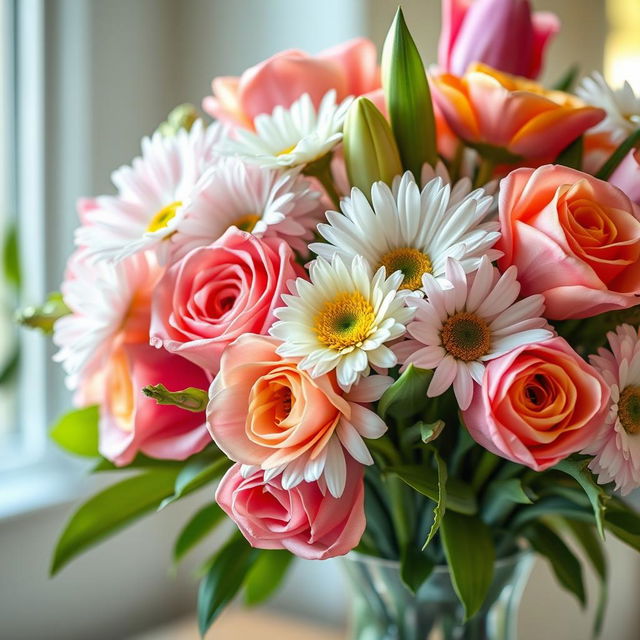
413	264
346	321
247	223
162	218
466	336
629	409
287	150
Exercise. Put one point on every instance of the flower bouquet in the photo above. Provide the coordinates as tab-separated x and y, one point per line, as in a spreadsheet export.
386	309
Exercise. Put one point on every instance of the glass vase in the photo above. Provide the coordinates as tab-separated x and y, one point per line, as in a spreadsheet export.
384	609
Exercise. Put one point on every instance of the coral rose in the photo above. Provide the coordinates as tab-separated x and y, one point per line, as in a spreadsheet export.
508	118
219	292
574	238
305	520
537	404
265	412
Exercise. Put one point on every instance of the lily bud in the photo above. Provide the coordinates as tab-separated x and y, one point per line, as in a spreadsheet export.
191	399
370	150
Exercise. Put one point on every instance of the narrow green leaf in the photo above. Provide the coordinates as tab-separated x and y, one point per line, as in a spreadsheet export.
266	575
565	565
470	554
624	523
415	567
566	82
10	257
197	529
548	506
77	432
619	155
110	510
407	396
501	497
460	496
408	98
225	575
441	504
10	369
139	462
571	155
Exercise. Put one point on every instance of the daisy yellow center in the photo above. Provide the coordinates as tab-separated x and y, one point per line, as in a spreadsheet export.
629	409
466	336
247	223
287	150
346	321
162	218
413	264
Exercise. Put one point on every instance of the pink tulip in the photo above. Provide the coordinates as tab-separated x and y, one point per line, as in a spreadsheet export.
627	175
503	34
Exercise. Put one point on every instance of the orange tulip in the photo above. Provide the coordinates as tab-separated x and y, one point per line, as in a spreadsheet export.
508	118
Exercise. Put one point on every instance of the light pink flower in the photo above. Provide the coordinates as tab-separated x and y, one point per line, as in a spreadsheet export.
575	239
305	520
350	68
537	404
617	444
131	423
501	33
627	175
219	292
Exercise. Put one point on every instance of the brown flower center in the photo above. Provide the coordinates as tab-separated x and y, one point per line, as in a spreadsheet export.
629	409
466	336
413	264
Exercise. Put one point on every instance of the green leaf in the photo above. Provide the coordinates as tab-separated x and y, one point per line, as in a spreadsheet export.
618	155
471	556
46	315
460	496
565	565
266	575
225	575
571	155
441	504
77	432
139	462
566	82
502	495
548	506
578	470
624	523
8	372
10	257
201	525
429	432
407	396
415	567
408	98
110	510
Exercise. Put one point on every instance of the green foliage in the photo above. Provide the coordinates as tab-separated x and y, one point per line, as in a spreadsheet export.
266	575
407	396
43	317
624	523
11	258
197	529
568	80
441	503
470	553
77	432
631	142
571	155
501	496
415	567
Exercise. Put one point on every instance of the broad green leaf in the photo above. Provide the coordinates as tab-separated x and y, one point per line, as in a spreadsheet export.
578	470
408	98
571	155
407	396
441	504
460	496
201	525
566	82
618	155
624	523
549	506
266	575
501	497
10	257
379	528
415	567
565	565
225	575
139	462
77	432
110	510
470	554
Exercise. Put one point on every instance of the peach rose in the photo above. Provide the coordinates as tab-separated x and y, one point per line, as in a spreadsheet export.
306	521
131	423
350	68
265	412
537	404
574	238
219	292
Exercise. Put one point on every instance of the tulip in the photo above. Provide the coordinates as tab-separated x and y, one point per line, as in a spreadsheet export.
501	33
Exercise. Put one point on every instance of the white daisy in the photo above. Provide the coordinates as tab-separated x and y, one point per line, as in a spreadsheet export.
411	231
262	201
463	186
617	445
621	105
110	303
151	193
467	320
342	319
292	137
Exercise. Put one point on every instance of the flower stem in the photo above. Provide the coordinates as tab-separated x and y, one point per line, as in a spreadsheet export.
321	169
485	172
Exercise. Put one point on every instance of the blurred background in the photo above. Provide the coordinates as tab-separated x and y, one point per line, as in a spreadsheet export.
81	81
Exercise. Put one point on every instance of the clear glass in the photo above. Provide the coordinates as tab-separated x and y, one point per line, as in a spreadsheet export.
384	609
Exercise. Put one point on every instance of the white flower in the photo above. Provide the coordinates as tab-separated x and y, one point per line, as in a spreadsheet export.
292	137
411	231
109	303
467	320
264	202
342	319
151	192
621	105
617	444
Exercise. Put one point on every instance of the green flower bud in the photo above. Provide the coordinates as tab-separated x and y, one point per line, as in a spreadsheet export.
182	117
191	399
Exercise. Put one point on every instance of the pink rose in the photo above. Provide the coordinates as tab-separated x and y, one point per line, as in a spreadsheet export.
131	423
627	175
306	521
537	404
219	292
574	238
350	68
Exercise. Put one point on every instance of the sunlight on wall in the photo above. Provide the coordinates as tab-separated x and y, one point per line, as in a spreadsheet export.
622	49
